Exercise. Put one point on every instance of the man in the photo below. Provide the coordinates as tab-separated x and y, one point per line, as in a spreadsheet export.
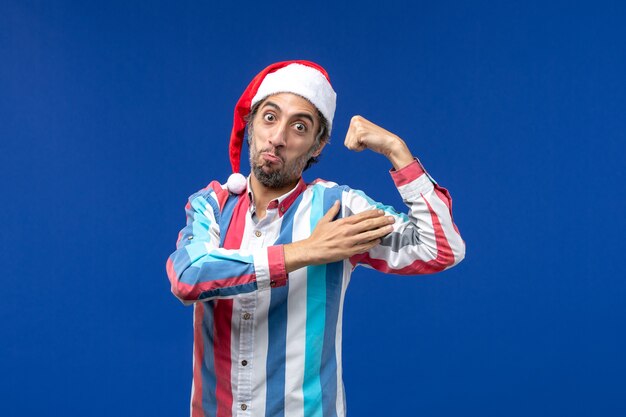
266	261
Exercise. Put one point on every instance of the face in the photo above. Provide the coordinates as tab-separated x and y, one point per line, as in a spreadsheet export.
282	139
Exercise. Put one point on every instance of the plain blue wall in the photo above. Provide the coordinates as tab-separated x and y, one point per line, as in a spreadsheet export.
112	113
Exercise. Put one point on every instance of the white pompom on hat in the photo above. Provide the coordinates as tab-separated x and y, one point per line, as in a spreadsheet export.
305	78
236	183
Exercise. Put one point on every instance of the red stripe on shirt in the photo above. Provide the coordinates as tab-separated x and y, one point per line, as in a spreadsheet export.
223	312
234	234
171	273
221	193
276	261
198	356
287	202
444	196
193	291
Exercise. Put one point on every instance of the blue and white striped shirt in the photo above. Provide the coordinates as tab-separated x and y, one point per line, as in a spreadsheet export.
268	343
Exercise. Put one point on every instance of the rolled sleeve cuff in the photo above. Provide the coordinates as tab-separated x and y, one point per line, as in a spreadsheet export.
407	174
412	180
277	270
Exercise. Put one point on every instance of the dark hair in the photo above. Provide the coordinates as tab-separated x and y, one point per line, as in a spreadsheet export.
321	137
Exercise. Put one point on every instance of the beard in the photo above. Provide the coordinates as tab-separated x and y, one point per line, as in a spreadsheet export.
277	177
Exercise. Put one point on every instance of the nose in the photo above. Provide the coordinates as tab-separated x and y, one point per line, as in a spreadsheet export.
278	136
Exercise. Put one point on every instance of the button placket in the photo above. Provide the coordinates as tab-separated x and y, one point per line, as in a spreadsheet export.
246	336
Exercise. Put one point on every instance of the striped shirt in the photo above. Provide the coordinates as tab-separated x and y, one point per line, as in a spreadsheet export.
268	343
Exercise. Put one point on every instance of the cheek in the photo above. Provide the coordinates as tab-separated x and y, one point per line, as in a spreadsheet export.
302	145
256	145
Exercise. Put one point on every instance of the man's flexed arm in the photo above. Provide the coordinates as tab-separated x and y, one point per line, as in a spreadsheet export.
425	241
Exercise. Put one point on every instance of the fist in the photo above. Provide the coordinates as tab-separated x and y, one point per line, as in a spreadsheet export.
363	134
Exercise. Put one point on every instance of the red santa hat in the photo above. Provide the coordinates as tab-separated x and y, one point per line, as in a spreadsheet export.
304	78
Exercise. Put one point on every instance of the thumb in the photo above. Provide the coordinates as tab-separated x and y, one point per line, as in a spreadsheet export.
331	213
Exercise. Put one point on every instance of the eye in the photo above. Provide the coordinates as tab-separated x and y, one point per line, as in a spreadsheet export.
300	127
269	117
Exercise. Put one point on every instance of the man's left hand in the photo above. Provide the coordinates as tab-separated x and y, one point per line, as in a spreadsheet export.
363	134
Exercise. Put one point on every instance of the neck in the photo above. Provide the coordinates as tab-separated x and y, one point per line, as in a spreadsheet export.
263	194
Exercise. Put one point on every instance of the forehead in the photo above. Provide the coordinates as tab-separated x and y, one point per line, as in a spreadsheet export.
290	103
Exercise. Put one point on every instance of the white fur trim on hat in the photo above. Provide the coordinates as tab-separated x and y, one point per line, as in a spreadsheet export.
304	81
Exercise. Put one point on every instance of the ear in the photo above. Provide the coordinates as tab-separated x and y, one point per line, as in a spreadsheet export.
319	151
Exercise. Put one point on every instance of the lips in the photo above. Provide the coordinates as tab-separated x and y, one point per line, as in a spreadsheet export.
271	158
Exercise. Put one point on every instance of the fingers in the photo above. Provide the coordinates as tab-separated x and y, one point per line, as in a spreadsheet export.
331	213
357	133
364	247
365	215
353	143
363	134
353	139
371	224
374	234
368	221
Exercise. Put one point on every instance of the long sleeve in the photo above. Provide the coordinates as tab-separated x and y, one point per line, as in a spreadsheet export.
201	269
425	240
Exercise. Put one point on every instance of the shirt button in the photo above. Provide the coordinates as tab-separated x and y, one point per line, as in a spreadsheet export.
257	233
244	362
244	407
246	316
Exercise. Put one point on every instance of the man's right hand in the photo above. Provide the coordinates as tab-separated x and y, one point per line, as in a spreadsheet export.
336	240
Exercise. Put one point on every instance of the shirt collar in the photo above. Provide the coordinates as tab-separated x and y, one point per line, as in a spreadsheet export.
281	203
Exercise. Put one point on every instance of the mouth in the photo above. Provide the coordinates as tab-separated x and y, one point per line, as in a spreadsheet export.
271	158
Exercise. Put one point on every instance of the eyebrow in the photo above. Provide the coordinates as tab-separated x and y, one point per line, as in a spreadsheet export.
300	115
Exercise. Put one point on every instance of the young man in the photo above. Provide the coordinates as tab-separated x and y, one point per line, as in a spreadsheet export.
266	261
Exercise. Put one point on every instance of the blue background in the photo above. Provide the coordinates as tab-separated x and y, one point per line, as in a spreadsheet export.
112	113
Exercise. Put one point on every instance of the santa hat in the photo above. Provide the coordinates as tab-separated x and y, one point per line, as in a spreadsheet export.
305	78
